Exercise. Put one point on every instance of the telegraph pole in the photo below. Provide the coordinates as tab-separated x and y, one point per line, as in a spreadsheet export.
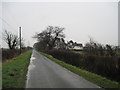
20	38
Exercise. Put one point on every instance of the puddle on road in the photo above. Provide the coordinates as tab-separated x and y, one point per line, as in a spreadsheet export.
30	67
31	60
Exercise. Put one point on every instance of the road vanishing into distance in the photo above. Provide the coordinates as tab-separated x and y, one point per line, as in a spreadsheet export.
44	73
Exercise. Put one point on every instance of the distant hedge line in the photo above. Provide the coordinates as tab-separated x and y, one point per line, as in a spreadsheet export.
106	66
8	54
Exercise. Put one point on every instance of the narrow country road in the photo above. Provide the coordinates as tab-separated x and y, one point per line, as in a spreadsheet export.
44	73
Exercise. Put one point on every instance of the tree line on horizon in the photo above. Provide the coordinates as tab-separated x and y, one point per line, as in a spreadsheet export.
53	38
98	58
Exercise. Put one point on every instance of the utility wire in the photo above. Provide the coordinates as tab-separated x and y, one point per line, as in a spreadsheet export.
8	24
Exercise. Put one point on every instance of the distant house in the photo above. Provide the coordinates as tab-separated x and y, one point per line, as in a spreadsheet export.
78	47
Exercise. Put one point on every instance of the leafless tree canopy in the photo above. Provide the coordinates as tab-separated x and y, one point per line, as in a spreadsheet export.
95	48
10	39
50	36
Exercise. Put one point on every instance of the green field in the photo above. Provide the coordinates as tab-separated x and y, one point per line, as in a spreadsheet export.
14	71
97	79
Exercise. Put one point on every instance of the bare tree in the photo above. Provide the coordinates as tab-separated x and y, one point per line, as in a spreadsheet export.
10	39
110	50
60	44
49	36
93	47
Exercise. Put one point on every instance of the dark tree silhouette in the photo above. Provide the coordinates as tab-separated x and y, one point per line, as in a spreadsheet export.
10	39
92	47
110	50
47	38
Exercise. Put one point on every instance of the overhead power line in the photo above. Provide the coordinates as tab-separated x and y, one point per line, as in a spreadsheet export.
8	24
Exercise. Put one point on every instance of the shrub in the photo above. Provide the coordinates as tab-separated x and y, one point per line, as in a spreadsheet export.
103	65
66	56
8	54
92	47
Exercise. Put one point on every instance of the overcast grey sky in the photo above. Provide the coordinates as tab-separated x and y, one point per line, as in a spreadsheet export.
80	19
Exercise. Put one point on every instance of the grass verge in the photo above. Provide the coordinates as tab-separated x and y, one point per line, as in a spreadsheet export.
80	52
14	71
94	78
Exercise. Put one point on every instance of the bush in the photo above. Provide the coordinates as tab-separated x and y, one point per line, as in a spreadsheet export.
92	47
8	54
66	56
103	65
